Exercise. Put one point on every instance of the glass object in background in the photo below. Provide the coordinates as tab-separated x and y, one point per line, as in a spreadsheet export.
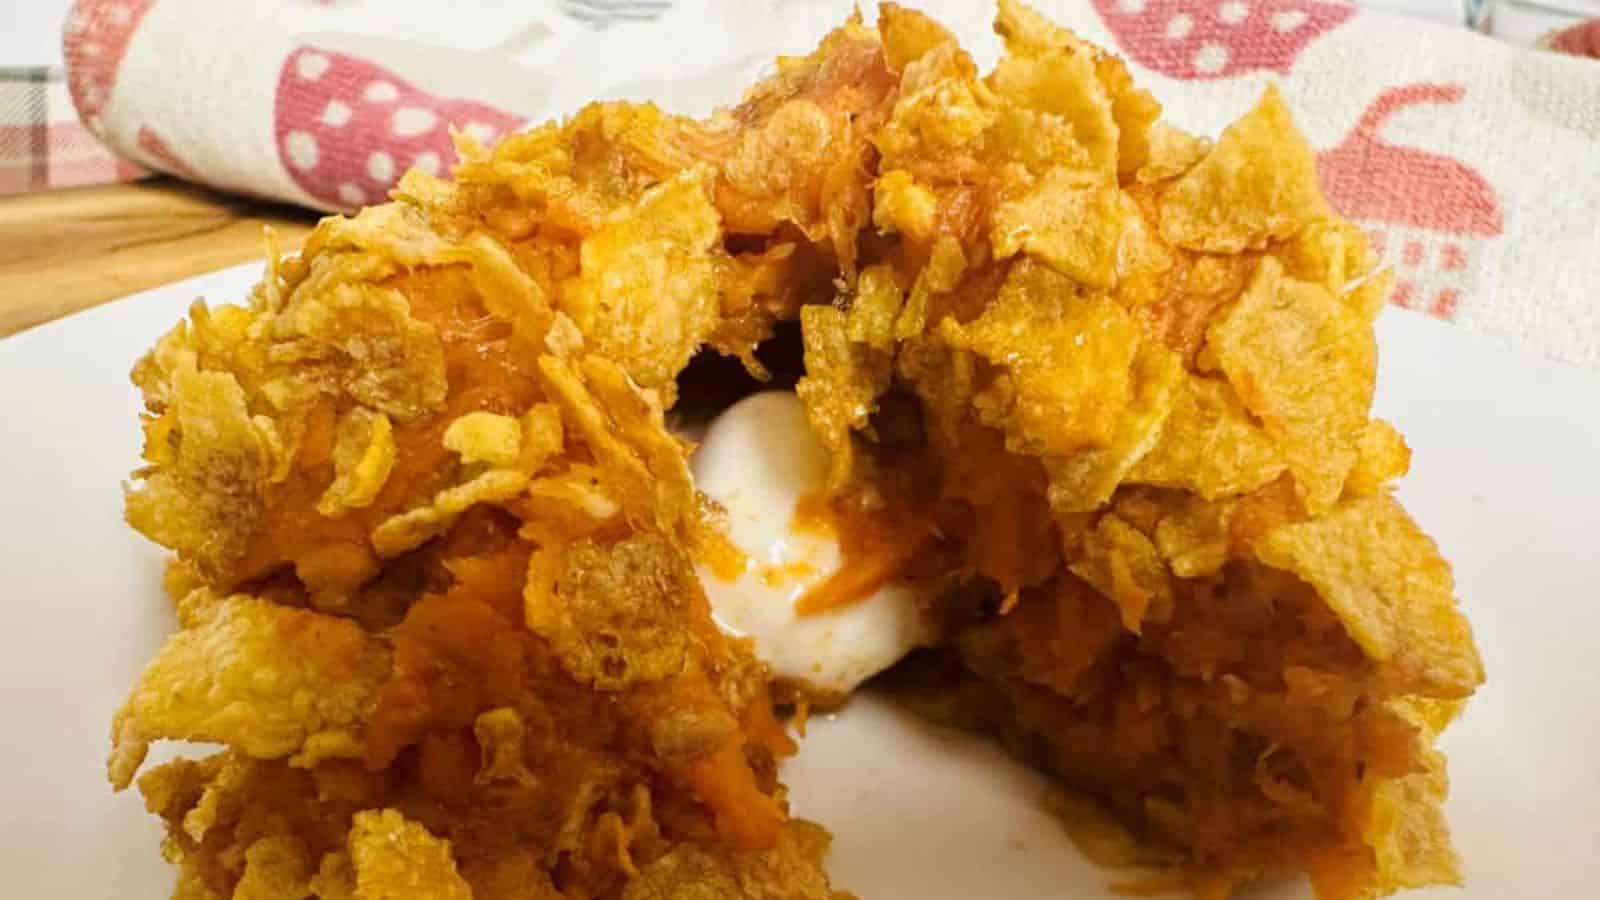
1525	21
1479	14
1516	21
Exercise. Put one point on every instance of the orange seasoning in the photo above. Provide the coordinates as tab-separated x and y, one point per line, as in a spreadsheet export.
876	543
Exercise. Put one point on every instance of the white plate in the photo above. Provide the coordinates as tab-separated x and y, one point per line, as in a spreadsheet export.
1506	445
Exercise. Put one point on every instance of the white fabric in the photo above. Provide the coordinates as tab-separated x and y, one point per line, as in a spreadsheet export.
1482	173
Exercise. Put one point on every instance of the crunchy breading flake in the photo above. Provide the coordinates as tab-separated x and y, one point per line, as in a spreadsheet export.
483	437
1307	369
412	528
335	878
1209	444
1381	457
1331	253
908	35
1083	481
1387	583
251	674
613	614
1258	184
361	339
849	361
1406	839
1055	100
229	778
363	456
946	263
646	292
397	859
1064	360
1172	152
1122	564
499	733
641	464
900	204
790	871
1069	221
204	492
542	437
1194	539
275	867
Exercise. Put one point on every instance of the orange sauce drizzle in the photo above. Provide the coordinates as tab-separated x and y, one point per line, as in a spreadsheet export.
876	543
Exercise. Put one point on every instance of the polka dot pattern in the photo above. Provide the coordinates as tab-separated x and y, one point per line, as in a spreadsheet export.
380	167
310	66
347	129
94	38
336	114
1288	20
410	121
380	92
1210	59
1208	39
427	161
301	150
481	132
1233	12
1428	233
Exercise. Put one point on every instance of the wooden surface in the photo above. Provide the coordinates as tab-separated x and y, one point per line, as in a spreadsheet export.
66	250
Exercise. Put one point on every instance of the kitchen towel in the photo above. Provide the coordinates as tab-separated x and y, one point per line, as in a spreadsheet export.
1474	164
42	142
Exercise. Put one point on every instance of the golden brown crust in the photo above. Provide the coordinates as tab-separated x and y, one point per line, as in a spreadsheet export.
1110	381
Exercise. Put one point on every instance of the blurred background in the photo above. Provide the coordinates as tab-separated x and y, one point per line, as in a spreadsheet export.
33	81
225	115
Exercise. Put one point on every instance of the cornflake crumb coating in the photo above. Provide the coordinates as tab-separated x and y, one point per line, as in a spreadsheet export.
436	545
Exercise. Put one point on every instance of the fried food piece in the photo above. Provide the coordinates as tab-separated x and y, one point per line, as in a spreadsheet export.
1306	367
1257	185
394	858
1175	351
613	613
374	631
789	871
1386	582
663	242
437	544
243	671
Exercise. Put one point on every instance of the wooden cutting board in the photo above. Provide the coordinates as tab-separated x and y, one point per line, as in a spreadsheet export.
66	250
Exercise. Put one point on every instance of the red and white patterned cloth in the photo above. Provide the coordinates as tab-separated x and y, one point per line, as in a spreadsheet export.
1472	162
42	142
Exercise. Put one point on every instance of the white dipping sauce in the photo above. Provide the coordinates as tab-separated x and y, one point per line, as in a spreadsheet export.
758	459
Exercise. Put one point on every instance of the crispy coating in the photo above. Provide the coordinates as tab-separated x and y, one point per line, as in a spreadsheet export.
1103	385
395	859
1381	456
1386	582
1122	563
1207	416
209	465
363	457
849	364
613	613
789	871
646	289
245	672
1306	367
276	866
1054	350
1258	184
